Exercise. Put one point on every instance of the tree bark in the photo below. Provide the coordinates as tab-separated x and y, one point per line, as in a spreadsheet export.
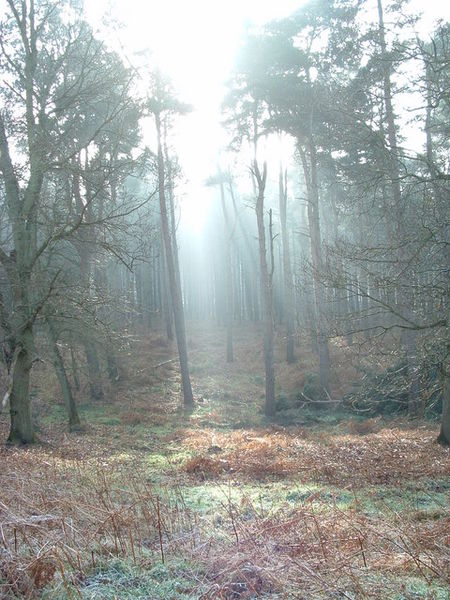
21	428
312	186
228	273
266	291
174	279
72	412
287	270
444	434
74	366
166	298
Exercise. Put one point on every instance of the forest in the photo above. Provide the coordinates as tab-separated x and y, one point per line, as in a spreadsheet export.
240	390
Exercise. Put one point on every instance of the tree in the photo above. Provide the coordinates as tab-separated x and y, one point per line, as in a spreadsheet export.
228	230
279	75
161	105
287	268
62	93
72	412
266	281
436	59
246	114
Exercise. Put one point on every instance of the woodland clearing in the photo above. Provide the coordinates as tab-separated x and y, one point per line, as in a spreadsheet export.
153	502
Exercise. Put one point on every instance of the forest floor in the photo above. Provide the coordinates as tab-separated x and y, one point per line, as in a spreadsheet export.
152	502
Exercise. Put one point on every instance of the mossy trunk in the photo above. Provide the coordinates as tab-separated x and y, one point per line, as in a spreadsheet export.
21	428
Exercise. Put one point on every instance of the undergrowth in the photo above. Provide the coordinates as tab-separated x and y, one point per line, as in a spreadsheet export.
151	502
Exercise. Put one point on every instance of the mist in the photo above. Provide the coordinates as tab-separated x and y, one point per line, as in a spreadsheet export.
224	299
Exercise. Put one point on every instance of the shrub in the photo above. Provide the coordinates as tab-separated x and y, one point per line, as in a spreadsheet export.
386	392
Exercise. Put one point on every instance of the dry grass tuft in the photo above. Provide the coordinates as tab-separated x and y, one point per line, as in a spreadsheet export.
365	427
387	456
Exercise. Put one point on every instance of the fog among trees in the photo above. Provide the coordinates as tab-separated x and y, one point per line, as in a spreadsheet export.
309	288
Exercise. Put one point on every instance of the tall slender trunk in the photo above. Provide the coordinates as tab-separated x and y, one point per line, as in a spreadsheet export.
174	279
169	186
228	273
444	434
266	290
312	186
74	365
442	204
166	299
287	269
250	264
138	280
102	289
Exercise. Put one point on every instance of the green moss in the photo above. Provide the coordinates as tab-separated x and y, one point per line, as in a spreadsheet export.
404	588
175	580
265	498
412	497
55	414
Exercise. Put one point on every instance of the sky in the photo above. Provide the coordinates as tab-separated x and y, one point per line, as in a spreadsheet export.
194	42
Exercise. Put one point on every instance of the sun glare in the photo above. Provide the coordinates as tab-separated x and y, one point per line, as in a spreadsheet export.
195	44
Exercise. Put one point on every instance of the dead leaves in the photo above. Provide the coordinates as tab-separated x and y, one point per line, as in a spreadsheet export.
384	457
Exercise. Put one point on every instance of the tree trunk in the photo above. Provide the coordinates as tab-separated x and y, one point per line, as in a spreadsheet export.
444	434
228	274
58	363
266	291
22	213
287	270
165	294
442	207
409	342
174	279
310	174
250	264
93	365
21	428
74	366
112	366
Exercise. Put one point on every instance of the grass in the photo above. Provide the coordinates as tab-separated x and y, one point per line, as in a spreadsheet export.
151	502
122	579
